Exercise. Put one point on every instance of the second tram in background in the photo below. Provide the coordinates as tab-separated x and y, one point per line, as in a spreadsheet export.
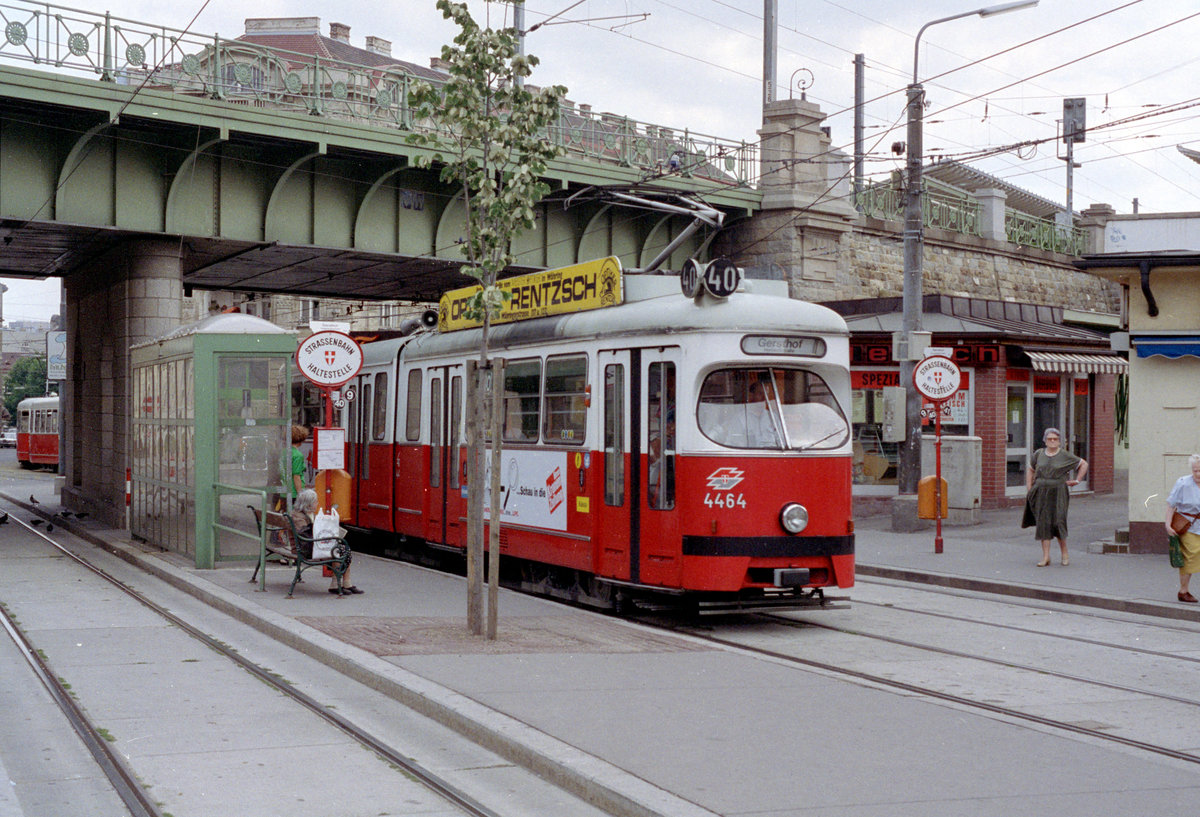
664	447
37	432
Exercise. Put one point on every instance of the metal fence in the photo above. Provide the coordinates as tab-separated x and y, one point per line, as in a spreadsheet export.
141	55
950	208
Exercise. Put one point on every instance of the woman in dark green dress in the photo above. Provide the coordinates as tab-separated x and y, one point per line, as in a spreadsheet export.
1052	471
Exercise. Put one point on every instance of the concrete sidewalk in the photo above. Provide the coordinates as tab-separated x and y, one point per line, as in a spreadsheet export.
998	556
654	724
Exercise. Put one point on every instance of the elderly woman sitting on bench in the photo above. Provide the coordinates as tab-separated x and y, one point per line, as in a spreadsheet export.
303	509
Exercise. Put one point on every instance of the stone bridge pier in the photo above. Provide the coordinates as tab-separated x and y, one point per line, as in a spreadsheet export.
130	295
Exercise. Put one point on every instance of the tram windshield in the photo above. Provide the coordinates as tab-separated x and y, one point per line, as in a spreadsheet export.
770	409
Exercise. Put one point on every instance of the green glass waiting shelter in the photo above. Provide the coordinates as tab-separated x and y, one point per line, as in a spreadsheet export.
211	420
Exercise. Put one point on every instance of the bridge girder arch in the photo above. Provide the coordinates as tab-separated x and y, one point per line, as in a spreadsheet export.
250	191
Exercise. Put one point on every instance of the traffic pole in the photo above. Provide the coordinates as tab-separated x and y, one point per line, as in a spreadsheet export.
937	485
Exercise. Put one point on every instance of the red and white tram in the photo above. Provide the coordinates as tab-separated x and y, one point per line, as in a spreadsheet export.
37	431
669	445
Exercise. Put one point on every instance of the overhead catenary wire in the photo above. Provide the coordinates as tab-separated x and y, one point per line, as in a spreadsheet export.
974	98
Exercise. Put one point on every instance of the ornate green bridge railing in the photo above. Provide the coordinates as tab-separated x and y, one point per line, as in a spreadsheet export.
144	55
950	208
1045	234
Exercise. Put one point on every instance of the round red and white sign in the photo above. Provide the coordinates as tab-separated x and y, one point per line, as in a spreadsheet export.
937	378
329	358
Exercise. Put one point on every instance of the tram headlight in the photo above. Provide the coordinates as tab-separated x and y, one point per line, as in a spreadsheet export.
793	517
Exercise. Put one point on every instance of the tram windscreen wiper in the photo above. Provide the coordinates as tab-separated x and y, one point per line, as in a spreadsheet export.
823	439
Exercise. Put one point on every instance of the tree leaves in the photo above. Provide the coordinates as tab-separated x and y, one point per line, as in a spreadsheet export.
490	136
27	378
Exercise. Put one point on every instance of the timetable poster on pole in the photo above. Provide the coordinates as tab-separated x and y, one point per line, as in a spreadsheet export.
329	447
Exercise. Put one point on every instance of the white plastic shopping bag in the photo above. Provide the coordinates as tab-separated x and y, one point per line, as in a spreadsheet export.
326	530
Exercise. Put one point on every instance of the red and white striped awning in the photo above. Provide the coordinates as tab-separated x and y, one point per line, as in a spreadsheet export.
1076	363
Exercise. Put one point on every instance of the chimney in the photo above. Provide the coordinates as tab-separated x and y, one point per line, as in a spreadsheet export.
378	45
439	64
339	32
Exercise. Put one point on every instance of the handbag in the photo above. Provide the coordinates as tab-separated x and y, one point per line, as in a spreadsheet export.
1180	522
1174	551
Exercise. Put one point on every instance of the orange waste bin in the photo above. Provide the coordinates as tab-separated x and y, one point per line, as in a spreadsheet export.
338	483
926	501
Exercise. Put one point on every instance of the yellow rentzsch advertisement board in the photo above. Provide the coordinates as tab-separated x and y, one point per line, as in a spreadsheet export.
577	288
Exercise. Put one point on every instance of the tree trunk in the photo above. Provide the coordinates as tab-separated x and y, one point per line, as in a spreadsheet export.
497	404
474	502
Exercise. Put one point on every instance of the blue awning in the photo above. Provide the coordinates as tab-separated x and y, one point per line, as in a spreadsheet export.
1171	346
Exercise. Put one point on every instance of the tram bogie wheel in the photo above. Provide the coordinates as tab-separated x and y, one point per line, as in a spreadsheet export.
623	604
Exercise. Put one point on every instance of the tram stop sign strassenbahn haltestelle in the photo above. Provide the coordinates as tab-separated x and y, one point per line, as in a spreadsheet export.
937	378
329	358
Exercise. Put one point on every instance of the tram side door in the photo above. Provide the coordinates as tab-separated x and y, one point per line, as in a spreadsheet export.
374	452
658	530
445	507
617	508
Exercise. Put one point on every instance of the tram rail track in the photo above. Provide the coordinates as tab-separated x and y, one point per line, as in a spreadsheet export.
1029	602
1066	676
124	779
928	691
118	774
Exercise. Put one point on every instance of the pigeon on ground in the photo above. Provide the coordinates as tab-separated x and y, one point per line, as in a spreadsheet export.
36	522
49	528
4	518
33	499
81	515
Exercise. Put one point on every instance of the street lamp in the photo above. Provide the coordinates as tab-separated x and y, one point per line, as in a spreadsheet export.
909	470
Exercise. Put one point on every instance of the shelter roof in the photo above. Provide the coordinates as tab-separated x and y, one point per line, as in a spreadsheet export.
972	179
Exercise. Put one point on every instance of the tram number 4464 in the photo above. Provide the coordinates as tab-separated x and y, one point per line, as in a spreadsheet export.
726	500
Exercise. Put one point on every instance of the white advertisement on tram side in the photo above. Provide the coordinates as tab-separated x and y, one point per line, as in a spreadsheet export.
533	488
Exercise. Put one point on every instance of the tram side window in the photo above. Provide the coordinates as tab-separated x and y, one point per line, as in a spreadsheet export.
412	417
614	435
435	432
365	434
355	434
522	399
45	421
23	422
456	441
660	484
770	409
379	409
566	400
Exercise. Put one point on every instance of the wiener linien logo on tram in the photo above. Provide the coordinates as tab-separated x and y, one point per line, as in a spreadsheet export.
724	479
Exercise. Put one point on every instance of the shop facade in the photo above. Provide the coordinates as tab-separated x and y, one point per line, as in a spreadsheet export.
1025	368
